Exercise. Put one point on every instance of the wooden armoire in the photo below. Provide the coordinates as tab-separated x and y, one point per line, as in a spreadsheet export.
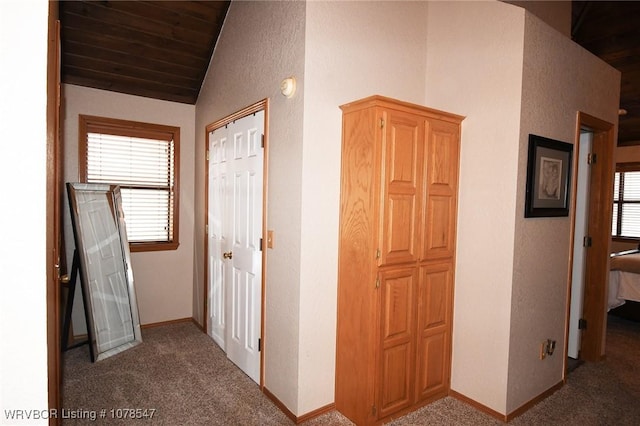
396	257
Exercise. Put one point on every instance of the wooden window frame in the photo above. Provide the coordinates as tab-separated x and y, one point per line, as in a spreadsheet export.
93	124
622	168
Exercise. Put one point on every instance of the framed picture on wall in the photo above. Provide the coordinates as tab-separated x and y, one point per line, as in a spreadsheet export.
548	177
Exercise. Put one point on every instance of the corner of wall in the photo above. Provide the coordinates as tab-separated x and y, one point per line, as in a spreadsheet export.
474	68
559	78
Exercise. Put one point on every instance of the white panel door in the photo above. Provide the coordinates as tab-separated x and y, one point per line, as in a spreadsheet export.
235	233
216	238
106	277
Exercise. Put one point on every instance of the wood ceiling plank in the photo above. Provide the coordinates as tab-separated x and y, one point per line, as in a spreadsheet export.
159	20
92	24
136	87
142	17
207	11
89	44
118	70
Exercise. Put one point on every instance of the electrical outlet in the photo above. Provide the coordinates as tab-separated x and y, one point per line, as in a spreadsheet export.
543	350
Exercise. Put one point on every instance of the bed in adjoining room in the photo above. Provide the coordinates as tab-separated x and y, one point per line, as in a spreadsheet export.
624	285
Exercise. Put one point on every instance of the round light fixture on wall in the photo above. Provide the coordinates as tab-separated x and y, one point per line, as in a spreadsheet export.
288	87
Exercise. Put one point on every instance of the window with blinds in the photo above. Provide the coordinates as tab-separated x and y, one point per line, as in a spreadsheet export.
141	159
626	201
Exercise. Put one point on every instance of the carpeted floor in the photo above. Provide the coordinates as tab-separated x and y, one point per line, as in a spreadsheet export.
180	377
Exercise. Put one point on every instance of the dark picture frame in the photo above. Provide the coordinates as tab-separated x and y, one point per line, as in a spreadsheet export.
548	177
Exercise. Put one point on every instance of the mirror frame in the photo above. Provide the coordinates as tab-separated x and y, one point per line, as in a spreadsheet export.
114	198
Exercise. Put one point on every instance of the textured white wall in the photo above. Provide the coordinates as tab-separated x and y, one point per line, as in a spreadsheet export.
559	79
23	310
163	279
555	13
261	44
474	68
511	75
352	50
338	54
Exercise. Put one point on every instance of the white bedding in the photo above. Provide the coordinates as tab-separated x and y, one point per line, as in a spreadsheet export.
623	286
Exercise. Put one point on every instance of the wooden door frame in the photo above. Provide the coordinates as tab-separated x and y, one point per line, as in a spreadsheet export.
262	105
599	224
55	262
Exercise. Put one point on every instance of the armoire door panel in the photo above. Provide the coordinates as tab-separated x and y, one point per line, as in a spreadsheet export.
433	365
398	292
439	239
400	229
395	387
441	180
434	296
443	156
403	149
434	325
402	152
398	338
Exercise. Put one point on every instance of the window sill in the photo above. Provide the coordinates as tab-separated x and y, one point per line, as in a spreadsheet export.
626	239
139	247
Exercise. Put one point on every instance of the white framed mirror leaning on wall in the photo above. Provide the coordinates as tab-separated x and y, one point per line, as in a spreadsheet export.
106	277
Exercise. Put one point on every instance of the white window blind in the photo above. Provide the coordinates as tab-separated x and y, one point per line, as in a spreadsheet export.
144	170
626	204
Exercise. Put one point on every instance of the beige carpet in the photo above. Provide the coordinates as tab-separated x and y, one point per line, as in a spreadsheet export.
182	378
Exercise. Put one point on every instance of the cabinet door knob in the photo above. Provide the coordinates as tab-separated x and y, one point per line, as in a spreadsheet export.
227	255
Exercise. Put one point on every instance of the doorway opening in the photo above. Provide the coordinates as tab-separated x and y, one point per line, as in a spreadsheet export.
590	242
235	223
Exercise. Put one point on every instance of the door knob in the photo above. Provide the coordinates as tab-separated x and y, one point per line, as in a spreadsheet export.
227	255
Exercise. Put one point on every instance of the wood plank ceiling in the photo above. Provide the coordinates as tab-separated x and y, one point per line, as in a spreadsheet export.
162	49
156	49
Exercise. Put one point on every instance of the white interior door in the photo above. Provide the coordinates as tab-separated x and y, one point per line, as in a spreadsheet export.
106	277
235	234
579	251
216	239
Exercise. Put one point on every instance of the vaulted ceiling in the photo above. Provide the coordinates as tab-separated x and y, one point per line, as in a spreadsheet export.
162	49
156	49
